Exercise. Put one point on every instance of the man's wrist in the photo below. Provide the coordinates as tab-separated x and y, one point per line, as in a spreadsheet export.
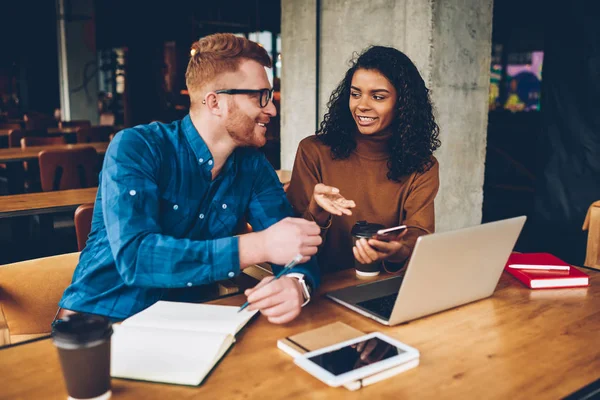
252	249
305	287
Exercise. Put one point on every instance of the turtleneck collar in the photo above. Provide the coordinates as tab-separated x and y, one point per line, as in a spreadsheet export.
374	147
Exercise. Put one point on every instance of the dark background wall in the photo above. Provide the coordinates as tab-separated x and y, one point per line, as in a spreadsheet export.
29	53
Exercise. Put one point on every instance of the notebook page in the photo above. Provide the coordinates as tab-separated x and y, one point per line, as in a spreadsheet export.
191	317
164	355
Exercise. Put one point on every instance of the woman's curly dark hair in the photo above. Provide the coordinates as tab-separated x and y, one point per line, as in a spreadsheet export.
415	135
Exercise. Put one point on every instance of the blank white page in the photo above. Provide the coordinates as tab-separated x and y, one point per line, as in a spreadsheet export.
191	317
165	355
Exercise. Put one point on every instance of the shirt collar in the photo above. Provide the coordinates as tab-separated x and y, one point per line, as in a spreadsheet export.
198	144
200	149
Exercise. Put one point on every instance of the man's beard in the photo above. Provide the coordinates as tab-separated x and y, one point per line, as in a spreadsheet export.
241	128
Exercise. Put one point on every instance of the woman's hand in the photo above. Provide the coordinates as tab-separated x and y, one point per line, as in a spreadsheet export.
328	200
371	250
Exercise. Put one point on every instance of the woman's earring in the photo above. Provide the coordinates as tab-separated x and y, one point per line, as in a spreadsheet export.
203	101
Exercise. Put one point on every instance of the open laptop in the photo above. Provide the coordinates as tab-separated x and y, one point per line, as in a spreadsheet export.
446	270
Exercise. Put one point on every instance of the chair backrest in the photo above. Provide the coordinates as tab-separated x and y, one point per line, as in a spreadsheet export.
107	119
42	141
83	123
29	295
63	169
15	136
94	134
83	223
11	125
39	121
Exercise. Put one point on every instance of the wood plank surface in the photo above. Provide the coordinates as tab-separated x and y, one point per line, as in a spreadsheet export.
517	344
15	154
45	202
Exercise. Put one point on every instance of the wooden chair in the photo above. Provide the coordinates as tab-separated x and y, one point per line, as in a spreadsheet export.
83	223
29	296
11	125
42	141
94	134
15	136
7	126
32	173
107	119
63	169
76	123
40	122
592	225
14	140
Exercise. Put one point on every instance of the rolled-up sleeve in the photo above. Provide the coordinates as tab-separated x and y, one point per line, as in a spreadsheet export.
144	256
269	205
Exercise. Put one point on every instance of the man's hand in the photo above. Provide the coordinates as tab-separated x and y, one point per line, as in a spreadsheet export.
290	237
328	200
280	300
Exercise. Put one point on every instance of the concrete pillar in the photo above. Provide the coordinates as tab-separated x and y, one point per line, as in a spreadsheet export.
450	42
299	78
76	36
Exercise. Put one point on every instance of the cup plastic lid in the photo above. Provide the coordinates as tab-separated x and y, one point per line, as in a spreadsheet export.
82	328
365	229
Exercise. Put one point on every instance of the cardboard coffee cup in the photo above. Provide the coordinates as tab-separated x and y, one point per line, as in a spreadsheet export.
365	230
83	343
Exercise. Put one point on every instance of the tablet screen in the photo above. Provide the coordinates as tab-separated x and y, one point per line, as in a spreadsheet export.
356	356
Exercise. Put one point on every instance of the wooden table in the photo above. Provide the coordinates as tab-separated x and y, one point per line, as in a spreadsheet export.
19	205
65	131
518	344
15	154
45	203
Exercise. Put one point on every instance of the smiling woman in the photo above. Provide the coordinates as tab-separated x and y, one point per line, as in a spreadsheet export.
371	160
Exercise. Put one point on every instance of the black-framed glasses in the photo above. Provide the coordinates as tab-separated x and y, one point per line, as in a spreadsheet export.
264	95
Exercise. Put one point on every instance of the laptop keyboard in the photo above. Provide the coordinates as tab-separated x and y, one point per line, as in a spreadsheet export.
382	306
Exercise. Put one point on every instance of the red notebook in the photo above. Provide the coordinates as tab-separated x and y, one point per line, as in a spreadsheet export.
536	261
538	278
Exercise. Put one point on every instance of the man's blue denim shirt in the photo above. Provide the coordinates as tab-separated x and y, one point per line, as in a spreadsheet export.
161	222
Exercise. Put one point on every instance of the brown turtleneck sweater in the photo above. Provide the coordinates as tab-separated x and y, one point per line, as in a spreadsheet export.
362	177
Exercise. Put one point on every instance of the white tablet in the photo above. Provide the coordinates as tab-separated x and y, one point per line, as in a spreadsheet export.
356	359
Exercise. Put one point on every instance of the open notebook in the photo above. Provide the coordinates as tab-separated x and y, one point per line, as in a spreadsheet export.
173	342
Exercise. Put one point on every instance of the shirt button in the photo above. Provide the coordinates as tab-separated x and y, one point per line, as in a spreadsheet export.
201	160
210	162
175	207
224	206
231	274
201	216
189	284
132	192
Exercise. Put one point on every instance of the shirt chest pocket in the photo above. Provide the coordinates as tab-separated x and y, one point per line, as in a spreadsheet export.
226	213
174	215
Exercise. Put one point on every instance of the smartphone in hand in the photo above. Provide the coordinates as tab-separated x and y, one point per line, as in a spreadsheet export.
390	234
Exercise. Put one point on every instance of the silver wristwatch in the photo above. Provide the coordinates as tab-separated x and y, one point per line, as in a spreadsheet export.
305	286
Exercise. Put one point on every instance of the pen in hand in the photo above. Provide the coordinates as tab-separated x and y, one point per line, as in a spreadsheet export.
288	266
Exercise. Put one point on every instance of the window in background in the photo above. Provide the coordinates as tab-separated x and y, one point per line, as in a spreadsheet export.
495	78
523	80
278	58
265	40
111	82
